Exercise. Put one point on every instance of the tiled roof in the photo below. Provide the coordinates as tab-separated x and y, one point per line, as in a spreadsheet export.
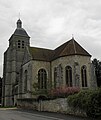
41	53
69	48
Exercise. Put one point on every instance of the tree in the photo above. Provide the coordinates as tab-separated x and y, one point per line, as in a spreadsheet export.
97	65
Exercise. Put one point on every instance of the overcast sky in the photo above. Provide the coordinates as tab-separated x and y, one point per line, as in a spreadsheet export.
50	23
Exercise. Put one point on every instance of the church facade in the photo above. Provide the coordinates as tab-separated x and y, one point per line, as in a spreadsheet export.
27	69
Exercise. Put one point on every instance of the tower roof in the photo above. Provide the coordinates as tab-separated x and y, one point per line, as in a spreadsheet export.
19	30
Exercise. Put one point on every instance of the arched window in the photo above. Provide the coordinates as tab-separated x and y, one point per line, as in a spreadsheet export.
42	79
84	76
22	44
25	80
19	44
68	76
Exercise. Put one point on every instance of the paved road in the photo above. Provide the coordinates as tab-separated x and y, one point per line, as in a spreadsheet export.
15	114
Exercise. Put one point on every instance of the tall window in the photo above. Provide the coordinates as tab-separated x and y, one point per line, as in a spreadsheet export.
19	44
69	76
84	76
42	79
22	44
25	80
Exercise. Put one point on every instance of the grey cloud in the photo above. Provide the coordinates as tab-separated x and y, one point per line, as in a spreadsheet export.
50	23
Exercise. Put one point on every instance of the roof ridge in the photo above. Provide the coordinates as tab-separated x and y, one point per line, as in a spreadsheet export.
63	45
41	48
74	46
82	47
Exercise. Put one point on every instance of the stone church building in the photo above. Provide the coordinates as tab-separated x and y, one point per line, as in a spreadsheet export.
29	68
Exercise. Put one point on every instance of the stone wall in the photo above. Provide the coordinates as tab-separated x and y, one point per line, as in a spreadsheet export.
75	62
56	105
59	105
27	103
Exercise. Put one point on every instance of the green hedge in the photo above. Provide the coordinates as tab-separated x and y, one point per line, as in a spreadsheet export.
87	100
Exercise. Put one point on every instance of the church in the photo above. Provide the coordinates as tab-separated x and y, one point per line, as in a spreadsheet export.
27	69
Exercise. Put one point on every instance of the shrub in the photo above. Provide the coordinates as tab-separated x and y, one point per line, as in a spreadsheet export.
87	100
63	91
94	104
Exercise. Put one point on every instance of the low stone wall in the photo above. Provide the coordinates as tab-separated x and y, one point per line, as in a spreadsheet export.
56	105
27	104
59	105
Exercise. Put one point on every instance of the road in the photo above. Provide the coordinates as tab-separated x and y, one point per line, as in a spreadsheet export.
15	114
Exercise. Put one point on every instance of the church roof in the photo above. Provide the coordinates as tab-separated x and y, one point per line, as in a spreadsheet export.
41	53
69	48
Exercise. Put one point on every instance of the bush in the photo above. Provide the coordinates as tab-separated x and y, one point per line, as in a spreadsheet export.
63	91
87	100
94	104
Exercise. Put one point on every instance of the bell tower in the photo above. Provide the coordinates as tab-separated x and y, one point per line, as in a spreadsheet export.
13	58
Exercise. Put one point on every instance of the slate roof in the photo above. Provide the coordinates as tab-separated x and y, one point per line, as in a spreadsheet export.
20	31
69	48
41	53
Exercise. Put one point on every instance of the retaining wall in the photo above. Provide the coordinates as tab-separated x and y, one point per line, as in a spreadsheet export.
59	105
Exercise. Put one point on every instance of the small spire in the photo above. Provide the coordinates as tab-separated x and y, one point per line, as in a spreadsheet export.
19	23
72	36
